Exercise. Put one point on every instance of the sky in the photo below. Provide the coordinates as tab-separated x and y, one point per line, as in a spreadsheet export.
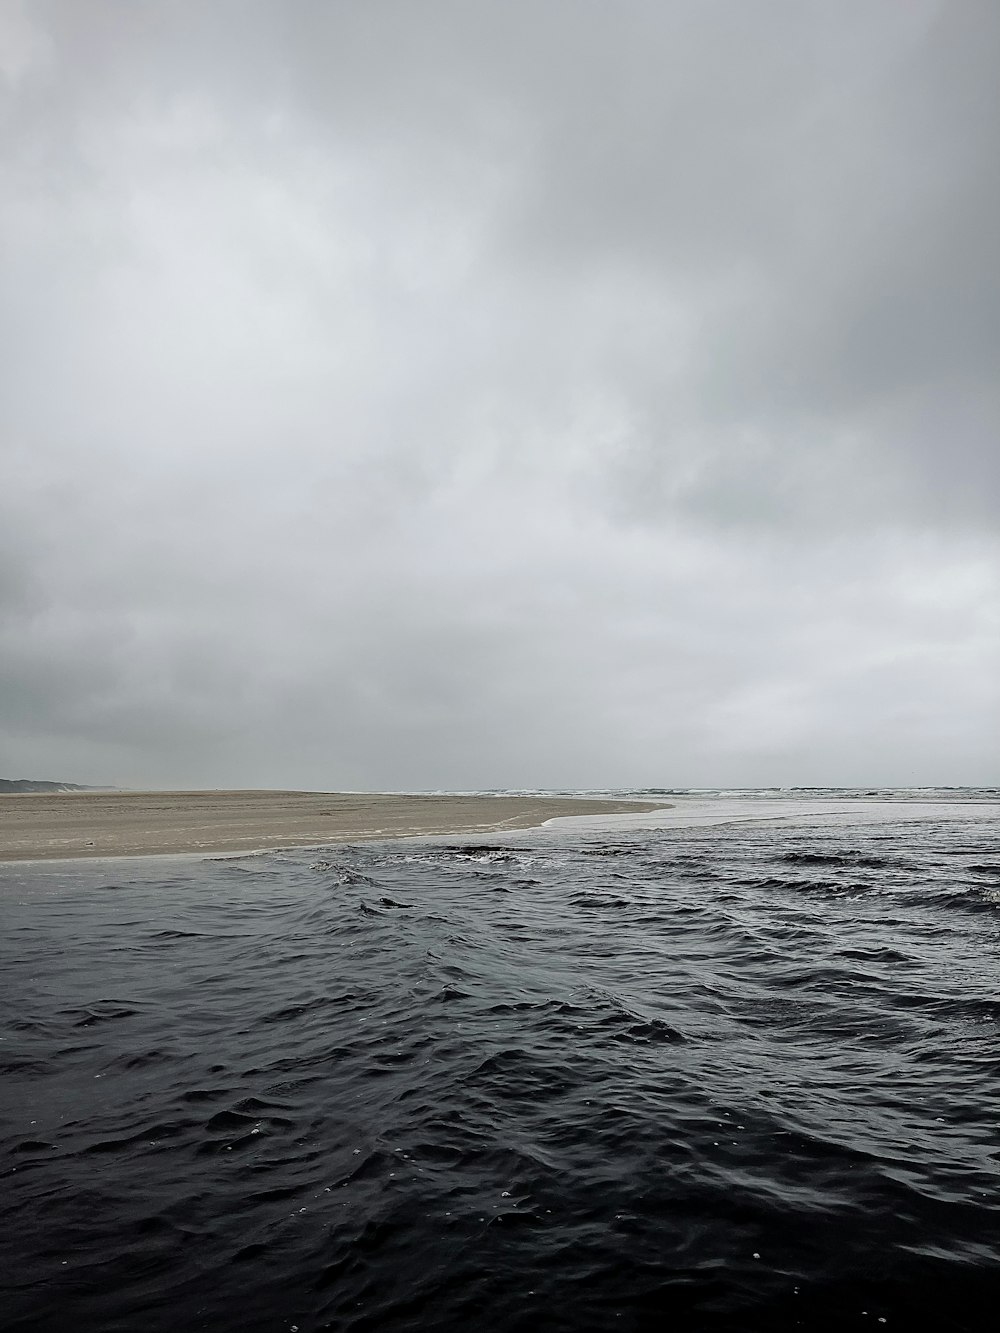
463	394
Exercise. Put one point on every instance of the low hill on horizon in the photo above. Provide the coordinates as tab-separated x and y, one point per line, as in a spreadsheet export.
10	786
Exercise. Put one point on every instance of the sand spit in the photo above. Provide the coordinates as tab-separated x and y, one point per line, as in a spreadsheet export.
36	826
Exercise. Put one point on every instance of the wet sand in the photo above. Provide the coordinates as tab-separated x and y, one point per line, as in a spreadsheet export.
42	826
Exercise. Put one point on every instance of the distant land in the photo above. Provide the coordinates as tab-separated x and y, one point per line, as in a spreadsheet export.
10	785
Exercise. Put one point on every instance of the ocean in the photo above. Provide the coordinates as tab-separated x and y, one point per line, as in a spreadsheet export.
734	1066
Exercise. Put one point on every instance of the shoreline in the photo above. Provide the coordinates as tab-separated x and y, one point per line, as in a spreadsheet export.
75	825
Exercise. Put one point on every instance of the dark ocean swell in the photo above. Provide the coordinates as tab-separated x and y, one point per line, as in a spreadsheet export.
725	1078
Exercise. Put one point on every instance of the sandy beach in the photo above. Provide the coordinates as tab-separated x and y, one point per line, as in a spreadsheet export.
42	826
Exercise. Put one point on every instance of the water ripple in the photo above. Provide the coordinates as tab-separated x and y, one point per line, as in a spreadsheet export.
731	1078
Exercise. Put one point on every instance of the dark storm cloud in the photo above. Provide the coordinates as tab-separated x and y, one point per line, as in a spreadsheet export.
460	394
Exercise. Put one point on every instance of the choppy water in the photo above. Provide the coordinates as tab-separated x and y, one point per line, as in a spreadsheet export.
733	1077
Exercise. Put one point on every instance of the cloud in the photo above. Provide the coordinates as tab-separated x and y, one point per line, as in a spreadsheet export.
467	395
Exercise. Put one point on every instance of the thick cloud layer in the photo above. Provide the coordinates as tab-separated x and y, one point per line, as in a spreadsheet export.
468	394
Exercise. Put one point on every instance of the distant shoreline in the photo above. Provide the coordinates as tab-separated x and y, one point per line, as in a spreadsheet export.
38	826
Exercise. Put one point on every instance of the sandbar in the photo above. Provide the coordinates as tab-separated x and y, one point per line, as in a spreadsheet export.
46	826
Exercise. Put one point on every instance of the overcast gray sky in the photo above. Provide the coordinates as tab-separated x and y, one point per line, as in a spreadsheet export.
458	394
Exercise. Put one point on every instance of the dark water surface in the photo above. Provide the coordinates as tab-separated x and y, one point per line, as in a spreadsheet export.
738	1077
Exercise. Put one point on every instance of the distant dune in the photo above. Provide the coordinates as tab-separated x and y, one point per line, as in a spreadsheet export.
9	785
